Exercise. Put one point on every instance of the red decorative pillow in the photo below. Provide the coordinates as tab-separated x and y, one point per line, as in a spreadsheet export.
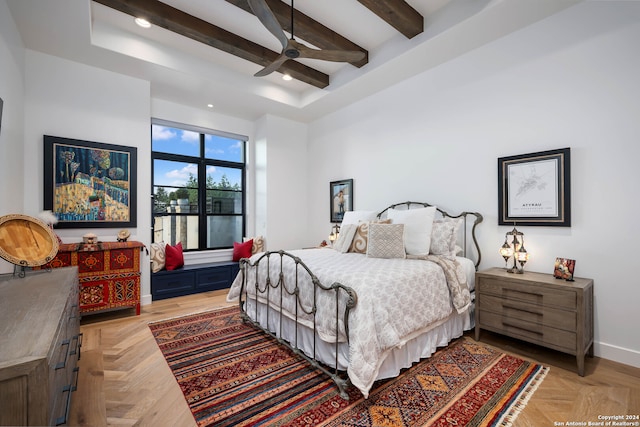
242	250
174	257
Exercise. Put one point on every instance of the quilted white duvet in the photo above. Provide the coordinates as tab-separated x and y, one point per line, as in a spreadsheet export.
397	299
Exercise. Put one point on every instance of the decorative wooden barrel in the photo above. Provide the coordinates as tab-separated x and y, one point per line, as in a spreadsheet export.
26	241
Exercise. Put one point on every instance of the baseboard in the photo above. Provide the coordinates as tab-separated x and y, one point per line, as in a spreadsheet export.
145	299
617	354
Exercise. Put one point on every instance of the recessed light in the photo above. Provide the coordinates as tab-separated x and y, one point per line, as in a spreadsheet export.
286	77
210	105
143	22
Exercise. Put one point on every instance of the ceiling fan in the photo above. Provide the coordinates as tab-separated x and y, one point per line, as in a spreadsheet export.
291	49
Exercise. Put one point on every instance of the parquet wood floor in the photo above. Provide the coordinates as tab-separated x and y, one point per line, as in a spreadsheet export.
125	381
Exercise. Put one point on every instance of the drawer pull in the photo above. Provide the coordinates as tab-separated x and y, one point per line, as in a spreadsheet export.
80	337
73	349
68	389
532	311
75	311
521	328
535	294
62	364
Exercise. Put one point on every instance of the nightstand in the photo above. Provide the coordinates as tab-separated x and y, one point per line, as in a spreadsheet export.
537	308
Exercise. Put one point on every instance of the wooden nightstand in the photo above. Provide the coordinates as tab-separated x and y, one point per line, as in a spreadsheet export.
537	308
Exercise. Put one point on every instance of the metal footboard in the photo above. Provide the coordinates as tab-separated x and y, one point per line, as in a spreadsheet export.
274	293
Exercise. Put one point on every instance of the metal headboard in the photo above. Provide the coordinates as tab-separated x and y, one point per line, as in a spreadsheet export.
475	216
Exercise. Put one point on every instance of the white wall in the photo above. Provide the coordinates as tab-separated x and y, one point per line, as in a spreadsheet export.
282	189
569	81
71	100
11	132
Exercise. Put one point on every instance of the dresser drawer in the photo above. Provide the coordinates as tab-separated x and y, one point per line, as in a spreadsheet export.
534	333
531	313
537	295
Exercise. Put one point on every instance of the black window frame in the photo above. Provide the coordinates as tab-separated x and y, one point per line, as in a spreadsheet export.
202	162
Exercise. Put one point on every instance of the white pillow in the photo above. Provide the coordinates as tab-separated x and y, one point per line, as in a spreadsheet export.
417	228
345	237
354	217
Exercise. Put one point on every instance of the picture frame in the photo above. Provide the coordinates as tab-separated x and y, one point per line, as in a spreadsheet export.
564	269
90	184
535	189
340	198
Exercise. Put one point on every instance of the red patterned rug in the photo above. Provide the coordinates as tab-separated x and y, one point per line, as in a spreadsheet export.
231	374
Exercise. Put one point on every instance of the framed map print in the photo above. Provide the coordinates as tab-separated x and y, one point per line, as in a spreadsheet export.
535	189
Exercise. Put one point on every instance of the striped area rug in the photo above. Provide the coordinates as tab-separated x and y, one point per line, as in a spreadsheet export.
233	375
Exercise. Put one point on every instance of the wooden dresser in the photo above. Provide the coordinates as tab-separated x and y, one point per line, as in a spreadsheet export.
537	308
40	332
109	273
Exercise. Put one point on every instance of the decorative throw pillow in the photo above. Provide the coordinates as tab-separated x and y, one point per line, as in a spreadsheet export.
242	250
386	241
258	244
157	256
359	241
345	238
174	258
444	235
355	217
417	230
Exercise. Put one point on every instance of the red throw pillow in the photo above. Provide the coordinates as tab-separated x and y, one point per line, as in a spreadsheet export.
242	250
174	257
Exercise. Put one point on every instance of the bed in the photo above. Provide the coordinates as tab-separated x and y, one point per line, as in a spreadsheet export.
395	286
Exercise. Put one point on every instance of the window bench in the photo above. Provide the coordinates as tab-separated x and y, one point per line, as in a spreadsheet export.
193	279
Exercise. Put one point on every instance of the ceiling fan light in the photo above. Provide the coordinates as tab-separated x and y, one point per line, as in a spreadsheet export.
142	22
287	77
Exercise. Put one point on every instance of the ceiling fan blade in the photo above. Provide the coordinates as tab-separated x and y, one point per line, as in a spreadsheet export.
268	19
330	55
272	67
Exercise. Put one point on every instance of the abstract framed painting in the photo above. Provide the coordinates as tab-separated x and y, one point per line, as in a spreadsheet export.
535	189
90	184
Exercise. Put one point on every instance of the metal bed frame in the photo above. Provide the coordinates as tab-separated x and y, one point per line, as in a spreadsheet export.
268	289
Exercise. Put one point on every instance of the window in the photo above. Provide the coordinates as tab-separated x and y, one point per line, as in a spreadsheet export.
198	184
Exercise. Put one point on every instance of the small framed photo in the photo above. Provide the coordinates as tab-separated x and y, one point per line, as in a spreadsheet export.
564	268
340	198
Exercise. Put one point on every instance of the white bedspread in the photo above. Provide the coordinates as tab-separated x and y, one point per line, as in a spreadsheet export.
397	298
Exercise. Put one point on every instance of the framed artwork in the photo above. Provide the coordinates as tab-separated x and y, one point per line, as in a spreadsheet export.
535	189
564	268
89	184
340	198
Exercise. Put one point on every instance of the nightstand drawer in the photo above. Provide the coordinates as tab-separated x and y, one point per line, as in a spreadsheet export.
531	313
535	333
537	295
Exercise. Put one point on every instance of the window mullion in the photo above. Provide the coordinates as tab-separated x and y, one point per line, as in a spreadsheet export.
202	198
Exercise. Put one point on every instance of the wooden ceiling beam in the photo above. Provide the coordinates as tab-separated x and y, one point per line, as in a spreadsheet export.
399	14
308	29
167	17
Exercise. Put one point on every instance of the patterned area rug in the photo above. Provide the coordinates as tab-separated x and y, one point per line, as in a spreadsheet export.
231	374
